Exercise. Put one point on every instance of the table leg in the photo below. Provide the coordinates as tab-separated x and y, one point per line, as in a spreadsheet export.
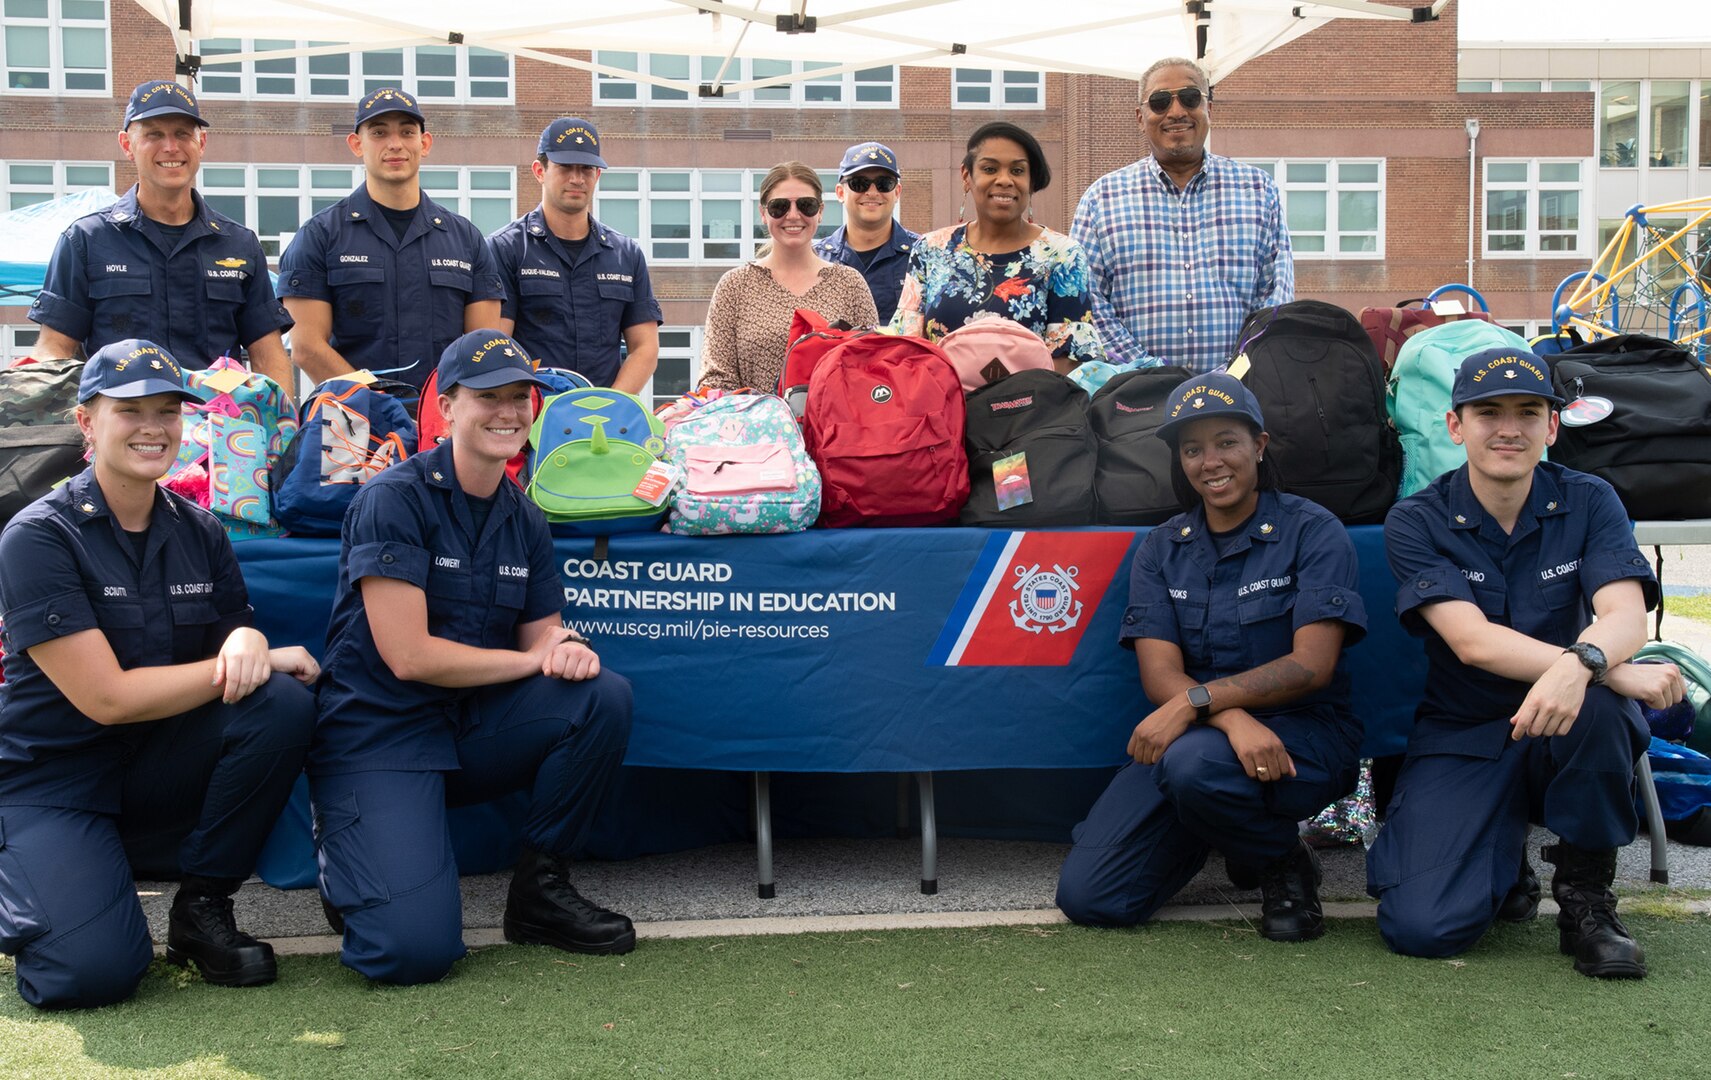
1654	822
763	833
929	835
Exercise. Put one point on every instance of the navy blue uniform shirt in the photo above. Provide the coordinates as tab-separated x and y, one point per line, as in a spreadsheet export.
413	523
572	313
1292	564
115	274
884	272
396	303
70	567
1571	539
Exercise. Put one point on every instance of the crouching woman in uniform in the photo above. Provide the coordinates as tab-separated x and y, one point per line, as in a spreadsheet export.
1239	610
450	680
141	712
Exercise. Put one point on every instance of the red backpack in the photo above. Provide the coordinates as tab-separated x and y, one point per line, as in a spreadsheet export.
884	424
811	338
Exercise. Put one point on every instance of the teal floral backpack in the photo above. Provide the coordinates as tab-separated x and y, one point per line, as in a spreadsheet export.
744	467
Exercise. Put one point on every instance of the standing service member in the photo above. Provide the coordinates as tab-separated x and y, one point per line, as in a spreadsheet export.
160	264
871	239
386	278
1529	711
139	706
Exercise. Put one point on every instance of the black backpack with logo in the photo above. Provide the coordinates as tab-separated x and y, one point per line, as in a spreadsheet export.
1132	482
1652	441
1320	384
1043	416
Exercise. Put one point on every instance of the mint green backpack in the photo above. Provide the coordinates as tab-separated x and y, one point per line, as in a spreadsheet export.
1417	395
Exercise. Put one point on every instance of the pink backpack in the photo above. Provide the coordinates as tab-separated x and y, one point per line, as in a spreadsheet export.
988	349
884	424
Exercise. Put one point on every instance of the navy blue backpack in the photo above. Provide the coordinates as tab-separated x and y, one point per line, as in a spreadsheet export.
348	431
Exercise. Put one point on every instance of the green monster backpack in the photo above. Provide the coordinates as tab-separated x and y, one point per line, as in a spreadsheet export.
1417	395
592	446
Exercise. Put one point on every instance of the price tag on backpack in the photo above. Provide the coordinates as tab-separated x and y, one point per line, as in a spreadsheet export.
362	376
1239	367
658	483
1586	410
1448	308
1010	480
226	380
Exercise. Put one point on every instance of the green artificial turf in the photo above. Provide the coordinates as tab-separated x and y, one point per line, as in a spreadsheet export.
1179	1000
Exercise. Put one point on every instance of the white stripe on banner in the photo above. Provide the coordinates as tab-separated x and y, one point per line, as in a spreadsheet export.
991	586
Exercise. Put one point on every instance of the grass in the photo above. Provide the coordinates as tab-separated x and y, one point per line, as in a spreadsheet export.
1177	1000
1690	607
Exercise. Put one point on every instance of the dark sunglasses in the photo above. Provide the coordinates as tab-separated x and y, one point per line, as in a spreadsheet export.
1190	96
806	205
860	184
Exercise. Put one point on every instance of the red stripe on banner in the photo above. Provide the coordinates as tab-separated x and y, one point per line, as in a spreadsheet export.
1045	599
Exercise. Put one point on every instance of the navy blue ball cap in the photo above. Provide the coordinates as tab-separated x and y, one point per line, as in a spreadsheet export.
868	155
387	99
131	369
483	359
1209	395
1501	372
571	140
161	97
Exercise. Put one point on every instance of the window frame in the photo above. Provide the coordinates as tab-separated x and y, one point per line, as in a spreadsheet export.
672	350
647	95
751	232
1536	188
996	81
1278	169
357	80
58	188
55	23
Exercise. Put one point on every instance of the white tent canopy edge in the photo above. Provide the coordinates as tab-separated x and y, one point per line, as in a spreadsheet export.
1095	37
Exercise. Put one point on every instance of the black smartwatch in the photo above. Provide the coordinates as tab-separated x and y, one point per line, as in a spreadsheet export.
1592	658
1201	699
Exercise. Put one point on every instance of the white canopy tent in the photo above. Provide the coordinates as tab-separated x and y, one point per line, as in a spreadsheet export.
1098	37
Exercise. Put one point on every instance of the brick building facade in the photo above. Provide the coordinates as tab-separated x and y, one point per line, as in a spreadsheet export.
1364	124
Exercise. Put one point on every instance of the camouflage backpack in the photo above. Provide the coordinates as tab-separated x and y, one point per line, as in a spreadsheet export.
39	441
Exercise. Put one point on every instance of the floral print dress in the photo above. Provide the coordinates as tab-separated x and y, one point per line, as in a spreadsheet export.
1045	287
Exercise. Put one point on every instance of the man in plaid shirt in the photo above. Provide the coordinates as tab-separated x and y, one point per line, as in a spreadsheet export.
1183	244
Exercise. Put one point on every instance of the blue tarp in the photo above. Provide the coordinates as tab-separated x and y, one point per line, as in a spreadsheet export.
27	238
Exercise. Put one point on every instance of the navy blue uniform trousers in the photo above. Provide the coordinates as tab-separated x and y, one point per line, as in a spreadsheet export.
1456	827
216	777
1150	832
382	839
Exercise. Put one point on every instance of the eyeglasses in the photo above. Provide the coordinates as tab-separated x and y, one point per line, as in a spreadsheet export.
1190	96
806	205
860	184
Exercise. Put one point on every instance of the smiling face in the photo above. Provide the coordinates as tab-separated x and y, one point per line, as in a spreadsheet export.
1178	135
490	424
871	208
167	150
1505	436
135	439
1220	456
998	182
793	230
391	146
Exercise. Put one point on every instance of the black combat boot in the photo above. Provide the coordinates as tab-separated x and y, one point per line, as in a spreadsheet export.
201	929
1289	897
1587	926
544	908
1522	903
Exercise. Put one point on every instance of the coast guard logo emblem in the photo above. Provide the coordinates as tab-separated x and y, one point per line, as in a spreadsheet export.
1047	599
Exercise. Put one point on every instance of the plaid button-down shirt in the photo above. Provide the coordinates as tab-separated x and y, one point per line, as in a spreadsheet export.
1176	272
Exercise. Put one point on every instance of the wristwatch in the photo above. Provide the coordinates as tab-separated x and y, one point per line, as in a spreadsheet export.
1592	658
1201	699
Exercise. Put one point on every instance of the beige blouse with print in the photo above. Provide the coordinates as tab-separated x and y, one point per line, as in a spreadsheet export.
748	322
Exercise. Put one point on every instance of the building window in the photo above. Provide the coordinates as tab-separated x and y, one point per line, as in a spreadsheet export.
1473	86
1666	128
1705	124
1334	208
1619	130
275	201
1570	86
17	340
29	182
695	215
679	367
1533	207
1521	86
982	88
447	73
55	46
867	88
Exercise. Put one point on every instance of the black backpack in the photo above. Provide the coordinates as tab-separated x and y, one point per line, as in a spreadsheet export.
1320	384
1655	445
40	444
1043	415
1132	482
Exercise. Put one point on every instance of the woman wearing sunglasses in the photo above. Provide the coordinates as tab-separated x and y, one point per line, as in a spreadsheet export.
748	321
1001	263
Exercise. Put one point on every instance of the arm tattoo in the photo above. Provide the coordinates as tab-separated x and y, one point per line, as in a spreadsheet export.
1283	677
